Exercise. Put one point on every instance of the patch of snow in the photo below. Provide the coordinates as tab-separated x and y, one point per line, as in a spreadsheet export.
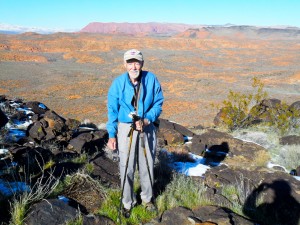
187	138
63	198
25	110
16	134
271	165
297	177
196	168
10	188
3	151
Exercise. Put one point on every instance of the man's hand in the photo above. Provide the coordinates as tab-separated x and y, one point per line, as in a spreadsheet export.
112	143
140	124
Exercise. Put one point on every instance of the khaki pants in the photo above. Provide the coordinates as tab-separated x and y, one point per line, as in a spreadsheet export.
136	157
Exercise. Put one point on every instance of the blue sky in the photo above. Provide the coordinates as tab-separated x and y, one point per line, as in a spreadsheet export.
75	14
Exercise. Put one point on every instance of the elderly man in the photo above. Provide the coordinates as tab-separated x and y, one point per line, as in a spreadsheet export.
135	101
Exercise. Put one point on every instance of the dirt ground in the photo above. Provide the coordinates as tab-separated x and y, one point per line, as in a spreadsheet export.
71	73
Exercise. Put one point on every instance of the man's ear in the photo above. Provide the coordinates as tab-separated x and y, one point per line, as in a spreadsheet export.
124	64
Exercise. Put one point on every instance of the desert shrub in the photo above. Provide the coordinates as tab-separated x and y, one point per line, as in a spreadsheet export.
238	105
284	119
182	191
243	110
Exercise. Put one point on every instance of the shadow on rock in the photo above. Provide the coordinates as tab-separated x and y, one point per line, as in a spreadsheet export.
278	207
215	154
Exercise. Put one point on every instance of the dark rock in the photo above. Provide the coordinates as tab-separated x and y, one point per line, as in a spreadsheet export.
36	131
271	103
36	107
171	133
224	145
298	171
72	124
60	170
77	144
279	202
278	193
295	106
171	137
265	110
50	135
290	140
220	215
198	146
178	215
18	116
106	170
31	160
97	220
3	119
55	122
163	123
51	212
92	141
2	98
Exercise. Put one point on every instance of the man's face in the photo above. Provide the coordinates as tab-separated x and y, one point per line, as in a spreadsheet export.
133	67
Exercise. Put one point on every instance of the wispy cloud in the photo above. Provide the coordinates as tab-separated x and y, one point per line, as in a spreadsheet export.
21	29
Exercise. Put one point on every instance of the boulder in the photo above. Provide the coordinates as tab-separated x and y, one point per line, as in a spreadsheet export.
206	215
3	119
55	122
30	159
77	144
51	212
36	131
106	170
298	171
220	146
170	133
36	107
220	216
290	140
90	141
178	215
295	106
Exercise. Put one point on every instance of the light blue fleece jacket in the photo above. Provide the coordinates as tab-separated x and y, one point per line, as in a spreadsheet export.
120	96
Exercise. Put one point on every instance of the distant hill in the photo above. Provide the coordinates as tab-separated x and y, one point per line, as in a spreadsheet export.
193	31
242	32
138	29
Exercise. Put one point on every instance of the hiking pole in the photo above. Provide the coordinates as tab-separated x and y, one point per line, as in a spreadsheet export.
125	173
145	154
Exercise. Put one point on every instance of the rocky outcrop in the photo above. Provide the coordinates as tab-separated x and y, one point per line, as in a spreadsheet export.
290	140
206	215
3	119
58	212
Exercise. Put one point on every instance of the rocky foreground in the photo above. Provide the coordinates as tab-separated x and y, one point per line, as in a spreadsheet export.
35	134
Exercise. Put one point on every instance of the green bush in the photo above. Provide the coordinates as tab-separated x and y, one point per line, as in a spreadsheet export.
237	108
244	110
